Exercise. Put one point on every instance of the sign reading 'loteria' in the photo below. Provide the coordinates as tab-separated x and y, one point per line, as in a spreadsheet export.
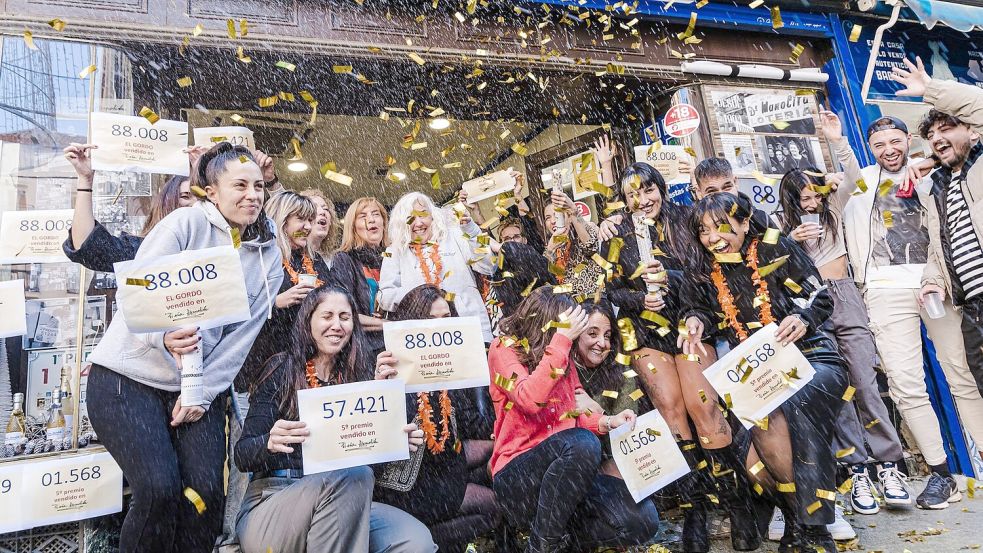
438	354
65	489
129	143
759	375
647	455
203	288
353	424
34	236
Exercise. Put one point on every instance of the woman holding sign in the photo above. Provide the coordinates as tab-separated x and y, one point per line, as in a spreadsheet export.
327	511
547	458
173	454
573	243
430	247
755	280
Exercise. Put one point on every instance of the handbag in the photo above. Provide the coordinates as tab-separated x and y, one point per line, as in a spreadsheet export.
401	475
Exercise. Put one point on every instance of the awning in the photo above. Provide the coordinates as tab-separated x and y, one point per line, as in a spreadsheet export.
961	17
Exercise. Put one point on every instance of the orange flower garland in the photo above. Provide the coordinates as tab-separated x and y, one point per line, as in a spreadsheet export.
307	264
425	411
562	260
312	379
438	275
726	299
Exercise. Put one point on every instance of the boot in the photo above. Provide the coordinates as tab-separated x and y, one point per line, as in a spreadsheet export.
792	541
693	489
547	545
817	538
736	493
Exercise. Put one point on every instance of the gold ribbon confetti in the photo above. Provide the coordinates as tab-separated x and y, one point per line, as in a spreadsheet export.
771	236
149	115
610	393
758	467
137	282
337	177
184	82
627	330
872	424
623	359
57	24
813	507
286	65
29	40
236	237
826	494
796	52
195	499
636	395
855	33
792	285
728	257
786	487
760	177
776	18
87	71
845	452
770	268
848	394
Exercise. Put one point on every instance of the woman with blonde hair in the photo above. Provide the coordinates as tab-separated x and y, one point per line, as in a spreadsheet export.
428	246
364	236
324	235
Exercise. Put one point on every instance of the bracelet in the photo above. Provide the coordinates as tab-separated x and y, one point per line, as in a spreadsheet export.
83	190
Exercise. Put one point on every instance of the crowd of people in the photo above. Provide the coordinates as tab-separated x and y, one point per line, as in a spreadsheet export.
848	268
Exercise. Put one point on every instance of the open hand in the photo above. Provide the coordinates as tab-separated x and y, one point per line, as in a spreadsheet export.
915	78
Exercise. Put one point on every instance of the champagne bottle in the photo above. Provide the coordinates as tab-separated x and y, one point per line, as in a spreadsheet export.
16	433
67	401
55	430
192	377
560	217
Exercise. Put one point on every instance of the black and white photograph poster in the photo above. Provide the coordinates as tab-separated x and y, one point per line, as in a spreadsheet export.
781	154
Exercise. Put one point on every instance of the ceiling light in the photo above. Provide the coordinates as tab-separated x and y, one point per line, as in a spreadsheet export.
297	166
440	123
399	176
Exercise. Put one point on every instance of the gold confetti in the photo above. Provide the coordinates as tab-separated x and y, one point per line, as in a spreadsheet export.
610	393
509	405
654	317
846	486
198	191
237	118
826	494
776	18
236	237
724	228
757	487
770	268
815	506
199	28
771	236
758	467
241	55
520	148
884	187
341	69
149	115
786	487
855	32
888	219
87	71
629	374
336	177
29	39
230	26
286	65
416	57
755	4
872	424
268	101
184	82
636	395
845	452
627	331
195	499
728	257
796	52
848	394
137	282
780	125
760	177
57	24
623	359
971	487
792	285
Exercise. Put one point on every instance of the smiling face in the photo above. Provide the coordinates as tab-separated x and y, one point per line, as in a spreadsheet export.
549	217
810	200
715	185
512	233
950	143
594	345
644	200
890	148
369	224
322	221
793	150
440	309
239	193
718	239
185	198
297	230
420	230
332	324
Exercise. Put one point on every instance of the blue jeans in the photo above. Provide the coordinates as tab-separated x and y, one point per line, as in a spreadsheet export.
555	489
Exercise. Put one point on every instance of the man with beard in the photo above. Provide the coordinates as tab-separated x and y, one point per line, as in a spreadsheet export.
956	216
887	241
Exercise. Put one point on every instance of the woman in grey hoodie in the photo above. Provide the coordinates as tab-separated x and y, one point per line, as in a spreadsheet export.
173	455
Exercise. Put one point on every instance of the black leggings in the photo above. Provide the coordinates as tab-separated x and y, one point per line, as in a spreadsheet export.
556	489
133	422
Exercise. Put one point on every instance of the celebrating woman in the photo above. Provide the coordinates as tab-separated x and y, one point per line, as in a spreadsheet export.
650	253
429	247
433	485
571	246
329	511
323	234
754	281
547	457
134	401
364	237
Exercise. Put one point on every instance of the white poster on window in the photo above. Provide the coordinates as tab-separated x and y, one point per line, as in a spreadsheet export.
14	309
129	143
237	136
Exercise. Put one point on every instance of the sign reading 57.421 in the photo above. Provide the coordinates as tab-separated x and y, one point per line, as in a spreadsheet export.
203	288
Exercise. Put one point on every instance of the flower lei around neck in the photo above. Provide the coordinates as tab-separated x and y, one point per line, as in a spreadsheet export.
425	411
726	299
312	380
437	276
308	266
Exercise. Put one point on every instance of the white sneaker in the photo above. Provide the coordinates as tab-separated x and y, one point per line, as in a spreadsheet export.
841	529
776	528
893	485
862	497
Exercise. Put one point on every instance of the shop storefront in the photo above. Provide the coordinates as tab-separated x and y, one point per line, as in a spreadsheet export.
383	100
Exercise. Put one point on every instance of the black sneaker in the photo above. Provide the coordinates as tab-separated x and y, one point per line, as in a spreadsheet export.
938	492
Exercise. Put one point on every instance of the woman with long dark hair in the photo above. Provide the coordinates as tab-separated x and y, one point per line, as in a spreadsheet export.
547	455
805	193
134	398
434	485
327	511
795	446
650	253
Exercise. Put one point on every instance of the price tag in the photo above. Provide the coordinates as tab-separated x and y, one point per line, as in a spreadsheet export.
488	186
237	136
665	159
438	354
647	455
202	288
129	143
13	306
759	375
353	424
63	489
34	236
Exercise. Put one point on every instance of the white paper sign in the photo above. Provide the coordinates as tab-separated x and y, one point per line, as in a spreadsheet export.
647	456
488	186
759	375
13	306
353	424
237	136
129	143
203	288
438	354
665	159
39	492
34	236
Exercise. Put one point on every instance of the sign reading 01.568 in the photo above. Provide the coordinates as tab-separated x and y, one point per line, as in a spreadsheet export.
438	354
203	288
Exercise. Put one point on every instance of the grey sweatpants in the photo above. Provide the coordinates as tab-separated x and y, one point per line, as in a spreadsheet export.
849	325
328	511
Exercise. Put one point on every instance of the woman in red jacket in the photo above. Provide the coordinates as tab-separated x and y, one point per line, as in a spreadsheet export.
547	455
